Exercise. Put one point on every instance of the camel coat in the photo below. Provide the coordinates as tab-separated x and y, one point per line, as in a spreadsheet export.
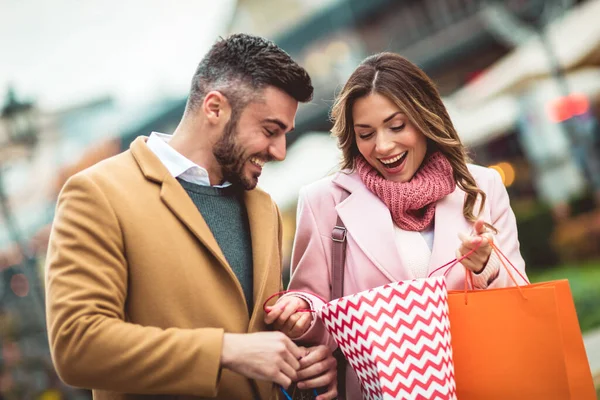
139	294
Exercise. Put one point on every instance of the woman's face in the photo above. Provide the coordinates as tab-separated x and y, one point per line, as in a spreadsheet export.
387	139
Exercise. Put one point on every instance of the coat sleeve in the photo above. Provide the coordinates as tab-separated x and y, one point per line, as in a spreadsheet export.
310	267
92	344
507	240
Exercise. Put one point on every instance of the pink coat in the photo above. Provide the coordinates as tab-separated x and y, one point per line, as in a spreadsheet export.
372	258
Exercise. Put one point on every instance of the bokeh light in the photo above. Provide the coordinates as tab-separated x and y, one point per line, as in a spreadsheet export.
19	285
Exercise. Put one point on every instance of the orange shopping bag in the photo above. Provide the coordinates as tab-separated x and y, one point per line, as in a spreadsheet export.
521	342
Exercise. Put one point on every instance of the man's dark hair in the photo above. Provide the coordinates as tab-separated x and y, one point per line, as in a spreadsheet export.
241	65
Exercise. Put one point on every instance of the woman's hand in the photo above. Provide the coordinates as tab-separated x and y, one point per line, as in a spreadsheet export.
477	261
285	317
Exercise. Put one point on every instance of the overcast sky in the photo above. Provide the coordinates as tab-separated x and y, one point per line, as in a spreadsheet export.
61	52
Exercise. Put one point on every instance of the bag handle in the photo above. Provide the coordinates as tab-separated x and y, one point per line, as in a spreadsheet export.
503	257
469	274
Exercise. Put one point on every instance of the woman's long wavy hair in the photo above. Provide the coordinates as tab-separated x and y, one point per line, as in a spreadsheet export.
405	84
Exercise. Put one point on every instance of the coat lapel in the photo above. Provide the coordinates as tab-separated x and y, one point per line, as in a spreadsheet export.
177	200
263	223
449	220
179	203
370	225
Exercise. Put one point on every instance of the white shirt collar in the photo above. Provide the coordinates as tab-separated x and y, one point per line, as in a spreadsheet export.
178	165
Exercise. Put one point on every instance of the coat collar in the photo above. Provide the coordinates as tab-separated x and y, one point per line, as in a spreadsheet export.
259	207
370	225
449	221
264	225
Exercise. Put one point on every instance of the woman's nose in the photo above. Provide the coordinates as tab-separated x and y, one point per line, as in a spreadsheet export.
383	143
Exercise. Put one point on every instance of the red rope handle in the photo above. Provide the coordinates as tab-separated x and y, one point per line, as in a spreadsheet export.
293	291
455	261
450	264
502	255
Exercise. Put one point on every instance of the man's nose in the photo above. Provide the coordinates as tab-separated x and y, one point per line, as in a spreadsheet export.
277	150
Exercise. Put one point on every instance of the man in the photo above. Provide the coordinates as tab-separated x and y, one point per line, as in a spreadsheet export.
160	258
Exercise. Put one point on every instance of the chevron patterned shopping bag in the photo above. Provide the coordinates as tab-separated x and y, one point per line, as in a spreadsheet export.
397	339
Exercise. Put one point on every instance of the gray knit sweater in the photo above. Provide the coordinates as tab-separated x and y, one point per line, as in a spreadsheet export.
224	211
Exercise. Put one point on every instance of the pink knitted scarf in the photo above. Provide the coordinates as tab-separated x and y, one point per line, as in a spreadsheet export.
412	203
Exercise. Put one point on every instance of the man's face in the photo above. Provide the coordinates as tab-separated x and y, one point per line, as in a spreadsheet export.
257	137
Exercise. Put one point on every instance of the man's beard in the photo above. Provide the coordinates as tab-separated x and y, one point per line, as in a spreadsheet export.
231	158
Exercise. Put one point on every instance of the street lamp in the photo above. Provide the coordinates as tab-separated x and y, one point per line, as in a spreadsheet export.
20	121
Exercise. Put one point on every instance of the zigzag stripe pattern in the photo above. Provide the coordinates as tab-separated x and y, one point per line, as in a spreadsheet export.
397	339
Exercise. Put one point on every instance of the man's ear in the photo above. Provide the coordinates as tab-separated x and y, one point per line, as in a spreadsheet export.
216	107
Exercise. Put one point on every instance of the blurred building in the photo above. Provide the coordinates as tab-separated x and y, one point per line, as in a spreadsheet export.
455	42
502	84
448	39
28	139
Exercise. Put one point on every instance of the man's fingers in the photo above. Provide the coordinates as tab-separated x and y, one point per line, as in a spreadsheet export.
297	352
330	394
315	354
283	380
292	361
319	381
317	362
289	370
317	369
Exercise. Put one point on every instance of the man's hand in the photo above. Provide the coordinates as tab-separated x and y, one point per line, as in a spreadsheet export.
318	369
285	318
269	356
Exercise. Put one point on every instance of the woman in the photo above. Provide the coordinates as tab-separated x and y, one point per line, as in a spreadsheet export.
411	202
